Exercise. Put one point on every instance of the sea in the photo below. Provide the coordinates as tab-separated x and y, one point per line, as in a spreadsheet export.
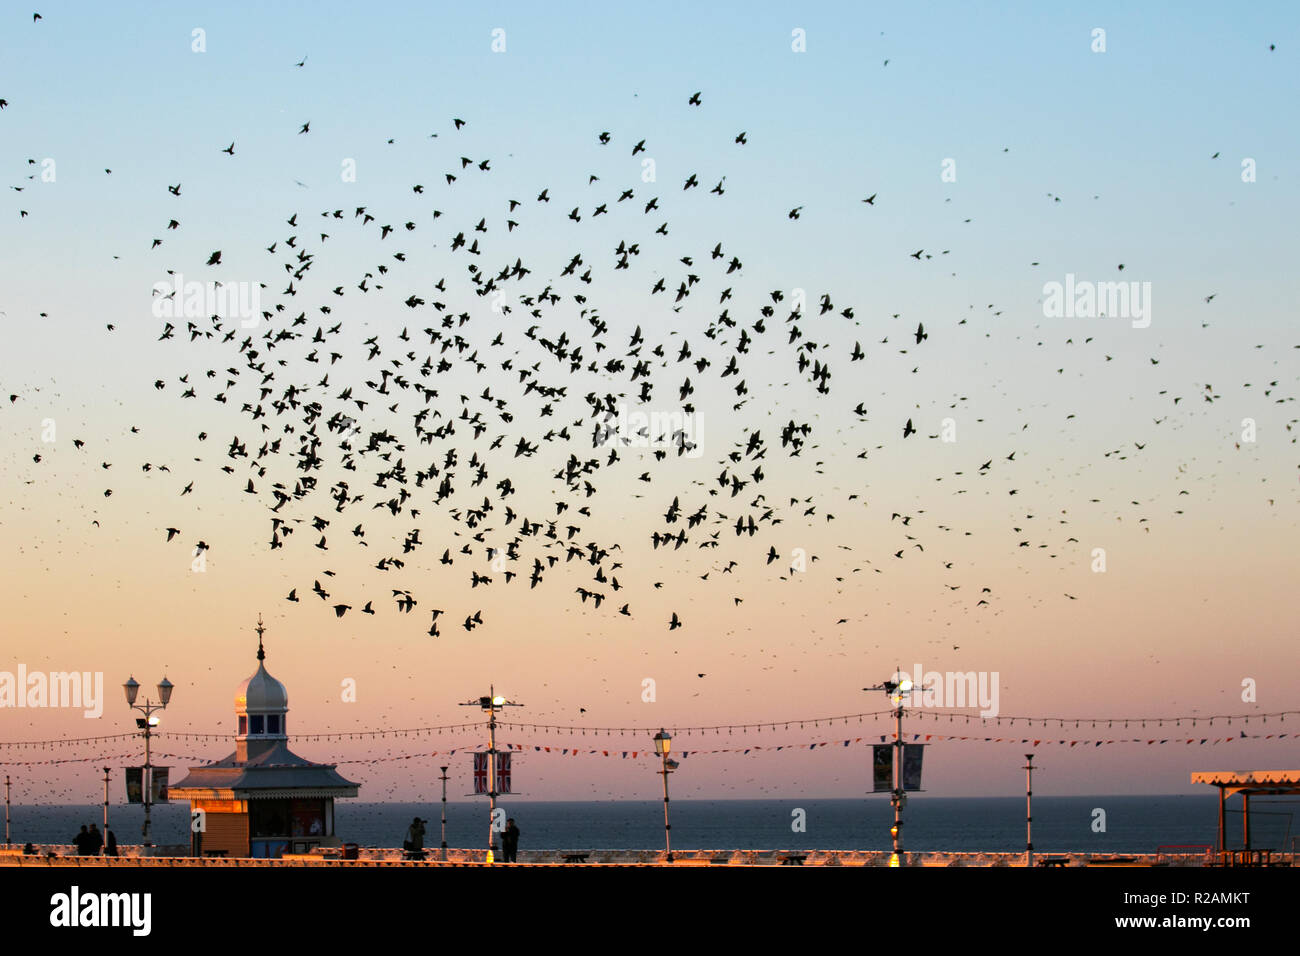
1098	824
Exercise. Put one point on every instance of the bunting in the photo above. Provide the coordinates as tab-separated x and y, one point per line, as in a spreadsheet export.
525	749
772	726
1067	743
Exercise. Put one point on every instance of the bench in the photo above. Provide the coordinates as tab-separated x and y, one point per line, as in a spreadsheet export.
575	857
793	859
1116	861
1054	861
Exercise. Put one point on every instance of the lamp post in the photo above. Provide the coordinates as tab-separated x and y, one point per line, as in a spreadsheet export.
897	691
1029	809
663	744
146	725
490	705
106	773
6	809
444	814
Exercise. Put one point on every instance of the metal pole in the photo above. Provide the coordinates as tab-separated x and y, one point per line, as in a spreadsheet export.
444	814
106	772
6	809
1245	821
668	843
492	774
1029	809
1223	838
898	781
147	779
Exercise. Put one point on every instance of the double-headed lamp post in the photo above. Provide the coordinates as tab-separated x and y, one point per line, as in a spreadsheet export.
146	724
663	744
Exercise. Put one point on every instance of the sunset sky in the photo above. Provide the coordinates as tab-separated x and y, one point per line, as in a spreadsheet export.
1097	434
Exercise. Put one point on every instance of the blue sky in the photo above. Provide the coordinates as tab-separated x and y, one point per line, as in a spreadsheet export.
1013	94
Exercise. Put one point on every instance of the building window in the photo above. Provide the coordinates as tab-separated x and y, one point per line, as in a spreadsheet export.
257	724
268	819
273	723
243	725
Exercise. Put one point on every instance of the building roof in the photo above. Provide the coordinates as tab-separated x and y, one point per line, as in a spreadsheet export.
1252	781
261	693
278	772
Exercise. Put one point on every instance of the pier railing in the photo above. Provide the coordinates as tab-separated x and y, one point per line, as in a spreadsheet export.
177	856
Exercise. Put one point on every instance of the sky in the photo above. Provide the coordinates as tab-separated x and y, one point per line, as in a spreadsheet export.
1012	148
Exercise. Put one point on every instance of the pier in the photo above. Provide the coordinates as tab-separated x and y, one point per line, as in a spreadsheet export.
392	857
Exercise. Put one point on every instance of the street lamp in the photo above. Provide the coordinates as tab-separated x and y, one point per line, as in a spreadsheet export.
146	725
490	704
898	691
1029	809
663	744
444	814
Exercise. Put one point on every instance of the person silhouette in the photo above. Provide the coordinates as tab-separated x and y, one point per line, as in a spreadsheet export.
509	842
82	841
414	843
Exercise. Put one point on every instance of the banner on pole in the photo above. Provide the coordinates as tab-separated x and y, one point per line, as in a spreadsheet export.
134	785
912	757
882	768
158	776
503	773
481	773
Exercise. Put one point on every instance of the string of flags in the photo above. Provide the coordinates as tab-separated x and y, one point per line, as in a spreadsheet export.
915	713
754	748
63	741
42	763
206	737
648	752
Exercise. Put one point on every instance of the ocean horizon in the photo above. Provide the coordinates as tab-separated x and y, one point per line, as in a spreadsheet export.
1074	824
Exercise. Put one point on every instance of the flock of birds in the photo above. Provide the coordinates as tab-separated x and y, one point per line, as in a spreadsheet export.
403	397
480	431
324	476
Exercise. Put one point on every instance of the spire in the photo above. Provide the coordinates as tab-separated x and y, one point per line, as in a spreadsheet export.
261	654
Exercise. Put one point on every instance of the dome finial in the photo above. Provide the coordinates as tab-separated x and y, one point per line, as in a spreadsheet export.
261	654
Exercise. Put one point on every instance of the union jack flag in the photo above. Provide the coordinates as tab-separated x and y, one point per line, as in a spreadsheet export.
481	773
